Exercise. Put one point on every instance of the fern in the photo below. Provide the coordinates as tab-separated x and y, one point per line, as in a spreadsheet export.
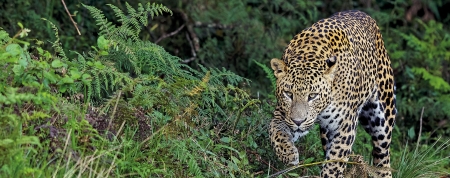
149	59
56	44
106	27
183	154
128	32
436	82
425	56
142	60
269	74
218	81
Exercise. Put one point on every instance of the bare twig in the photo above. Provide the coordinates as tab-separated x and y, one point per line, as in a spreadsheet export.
194	55
420	129
70	16
213	25
439	125
170	34
311	164
190	29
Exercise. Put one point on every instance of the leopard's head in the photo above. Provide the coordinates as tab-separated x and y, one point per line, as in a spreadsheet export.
303	90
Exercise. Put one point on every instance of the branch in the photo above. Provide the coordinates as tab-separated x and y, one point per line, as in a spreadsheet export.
420	130
190	30
70	16
170	34
311	164
194	55
213	25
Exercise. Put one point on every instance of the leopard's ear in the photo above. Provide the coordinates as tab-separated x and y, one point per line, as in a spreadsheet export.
279	67
331	67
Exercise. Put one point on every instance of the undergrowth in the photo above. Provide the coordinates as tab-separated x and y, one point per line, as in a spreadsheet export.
128	108
125	108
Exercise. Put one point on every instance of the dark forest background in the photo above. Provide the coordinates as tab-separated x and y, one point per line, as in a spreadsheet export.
189	92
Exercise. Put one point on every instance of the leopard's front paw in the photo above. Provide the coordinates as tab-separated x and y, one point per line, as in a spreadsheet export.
283	142
295	162
293	156
287	153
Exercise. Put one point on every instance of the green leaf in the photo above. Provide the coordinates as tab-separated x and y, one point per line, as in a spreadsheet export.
14	49
309	160
29	140
75	74
86	78
8	58
40	50
293	174
50	76
103	53
57	63
251	142
5	142
23	60
235	160
411	133
102	43
47	55
18	69
62	89
66	80
98	65
225	139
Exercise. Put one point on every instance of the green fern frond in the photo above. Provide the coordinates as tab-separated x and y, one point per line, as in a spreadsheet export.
56	44
128	32
106	27
436	82
155	77
157	9
269	74
149	58
131	23
128	23
213	96
182	153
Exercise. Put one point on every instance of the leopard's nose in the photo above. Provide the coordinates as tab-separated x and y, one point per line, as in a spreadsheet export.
298	122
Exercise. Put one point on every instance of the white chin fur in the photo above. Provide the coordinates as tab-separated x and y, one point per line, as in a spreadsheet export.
298	135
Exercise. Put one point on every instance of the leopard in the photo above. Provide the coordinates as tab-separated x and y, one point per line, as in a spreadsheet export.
335	73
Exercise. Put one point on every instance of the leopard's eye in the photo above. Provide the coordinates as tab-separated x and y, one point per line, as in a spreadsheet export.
288	94
311	96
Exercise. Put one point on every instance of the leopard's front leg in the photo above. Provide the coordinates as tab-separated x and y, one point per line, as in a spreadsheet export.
283	142
338	136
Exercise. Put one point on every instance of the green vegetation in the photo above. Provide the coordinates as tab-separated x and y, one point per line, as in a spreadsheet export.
183	88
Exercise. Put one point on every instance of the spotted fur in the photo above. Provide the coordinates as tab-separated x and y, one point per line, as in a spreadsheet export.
335	73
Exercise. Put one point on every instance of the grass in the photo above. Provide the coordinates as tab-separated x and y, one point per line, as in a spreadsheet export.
187	150
424	161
